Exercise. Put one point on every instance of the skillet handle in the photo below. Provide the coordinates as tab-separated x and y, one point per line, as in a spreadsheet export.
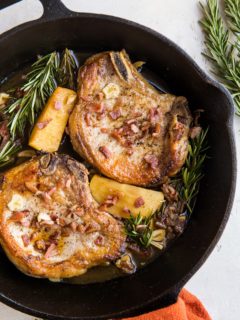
52	8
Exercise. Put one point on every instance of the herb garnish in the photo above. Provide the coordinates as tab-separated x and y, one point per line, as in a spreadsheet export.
8	151
68	70
139	229
187	182
224	54
39	86
44	76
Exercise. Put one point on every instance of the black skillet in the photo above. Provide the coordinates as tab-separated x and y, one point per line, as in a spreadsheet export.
159	283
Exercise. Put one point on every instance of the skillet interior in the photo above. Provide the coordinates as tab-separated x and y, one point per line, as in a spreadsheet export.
157	284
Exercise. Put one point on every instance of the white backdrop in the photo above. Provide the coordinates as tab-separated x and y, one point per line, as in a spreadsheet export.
217	283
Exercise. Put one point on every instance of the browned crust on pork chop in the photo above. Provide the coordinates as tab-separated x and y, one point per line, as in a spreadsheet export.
49	223
123	126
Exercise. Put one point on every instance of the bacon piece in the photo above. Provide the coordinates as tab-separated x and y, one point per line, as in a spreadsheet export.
115	114
43	124
57	105
153	115
25	239
17	216
152	160
73	226
88	118
126	210
96	107
139	202
105	151
99	241
116	135
51	191
26	223
104	130
51	251
79	212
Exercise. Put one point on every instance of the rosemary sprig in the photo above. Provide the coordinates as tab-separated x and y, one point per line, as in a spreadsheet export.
232	9
187	181
220	50
68	70
139	229
39	86
8	151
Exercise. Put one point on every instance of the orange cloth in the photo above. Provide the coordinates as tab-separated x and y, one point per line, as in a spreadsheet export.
188	307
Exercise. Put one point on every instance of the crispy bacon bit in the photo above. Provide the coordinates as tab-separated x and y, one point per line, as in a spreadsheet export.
96	107
73	226
26	223
112	199
51	251
99	241
79	212
153	115
51	191
31	186
40	245
88	118
129	151
105	151
26	240
145	126
17	216
43	124
126	210
54	216
139	202
157	130
58	105
116	135
81	228
134	128
152	160
104	130
130	121
195	132
137	114
61	222
115	114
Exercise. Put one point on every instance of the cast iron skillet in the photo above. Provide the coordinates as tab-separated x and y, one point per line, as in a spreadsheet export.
159	283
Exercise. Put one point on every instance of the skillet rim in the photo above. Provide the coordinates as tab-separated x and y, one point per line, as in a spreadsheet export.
229	126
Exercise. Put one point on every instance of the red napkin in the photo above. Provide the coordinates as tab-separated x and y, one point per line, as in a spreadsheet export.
188	307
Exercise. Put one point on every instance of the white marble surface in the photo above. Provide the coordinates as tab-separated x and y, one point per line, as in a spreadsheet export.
217	283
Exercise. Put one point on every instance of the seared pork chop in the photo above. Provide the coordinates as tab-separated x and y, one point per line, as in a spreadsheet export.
49	223
123	126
